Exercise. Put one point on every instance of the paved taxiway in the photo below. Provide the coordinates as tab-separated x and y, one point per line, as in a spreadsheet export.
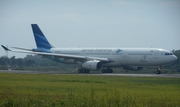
97	74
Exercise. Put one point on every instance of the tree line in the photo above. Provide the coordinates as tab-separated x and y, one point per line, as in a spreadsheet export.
32	62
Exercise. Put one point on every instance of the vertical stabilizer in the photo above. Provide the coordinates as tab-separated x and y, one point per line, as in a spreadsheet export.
41	41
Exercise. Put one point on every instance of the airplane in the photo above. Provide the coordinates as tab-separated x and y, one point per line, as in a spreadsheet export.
99	59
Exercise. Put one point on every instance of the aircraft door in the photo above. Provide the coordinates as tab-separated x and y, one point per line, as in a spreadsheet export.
124	54
155	54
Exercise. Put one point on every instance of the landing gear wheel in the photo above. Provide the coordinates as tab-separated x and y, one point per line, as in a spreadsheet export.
107	71
103	71
86	71
79	70
83	71
158	72
110	71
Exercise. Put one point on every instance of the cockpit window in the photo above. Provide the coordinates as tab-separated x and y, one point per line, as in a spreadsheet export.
168	53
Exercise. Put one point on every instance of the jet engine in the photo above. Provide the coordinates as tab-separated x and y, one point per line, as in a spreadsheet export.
92	65
132	68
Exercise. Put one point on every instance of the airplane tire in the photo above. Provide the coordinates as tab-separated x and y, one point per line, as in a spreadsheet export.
110	70
158	72
86	71
107	71
103	71
83	71
79	70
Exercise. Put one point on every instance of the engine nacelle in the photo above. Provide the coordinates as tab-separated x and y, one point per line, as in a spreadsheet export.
133	68
92	65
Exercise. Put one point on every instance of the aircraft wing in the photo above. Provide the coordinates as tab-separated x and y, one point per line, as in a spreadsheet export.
63	56
22	48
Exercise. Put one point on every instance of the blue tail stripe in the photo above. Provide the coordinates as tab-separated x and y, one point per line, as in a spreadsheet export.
44	44
41	37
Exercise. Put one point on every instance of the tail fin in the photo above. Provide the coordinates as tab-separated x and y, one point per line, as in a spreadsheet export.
41	41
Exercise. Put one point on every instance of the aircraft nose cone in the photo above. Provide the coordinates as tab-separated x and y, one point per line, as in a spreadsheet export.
174	58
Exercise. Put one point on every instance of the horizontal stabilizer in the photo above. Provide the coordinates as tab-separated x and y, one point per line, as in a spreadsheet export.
5	48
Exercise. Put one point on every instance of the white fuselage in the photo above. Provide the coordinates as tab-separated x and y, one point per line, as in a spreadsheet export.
122	56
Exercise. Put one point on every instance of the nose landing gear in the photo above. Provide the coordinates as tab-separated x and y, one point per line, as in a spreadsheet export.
158	70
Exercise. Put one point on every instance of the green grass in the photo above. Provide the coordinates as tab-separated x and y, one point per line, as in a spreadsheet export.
39	90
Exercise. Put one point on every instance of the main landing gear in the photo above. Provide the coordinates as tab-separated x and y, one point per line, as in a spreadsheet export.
83	71
158	70
108	70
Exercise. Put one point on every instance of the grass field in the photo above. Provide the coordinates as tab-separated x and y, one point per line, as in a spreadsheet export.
39	90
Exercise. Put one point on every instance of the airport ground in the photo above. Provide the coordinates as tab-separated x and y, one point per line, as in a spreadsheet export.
39	89
95	73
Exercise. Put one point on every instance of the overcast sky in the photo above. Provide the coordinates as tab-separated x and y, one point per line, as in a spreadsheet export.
91	23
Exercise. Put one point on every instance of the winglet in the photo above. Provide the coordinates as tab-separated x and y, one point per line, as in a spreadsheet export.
5	48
